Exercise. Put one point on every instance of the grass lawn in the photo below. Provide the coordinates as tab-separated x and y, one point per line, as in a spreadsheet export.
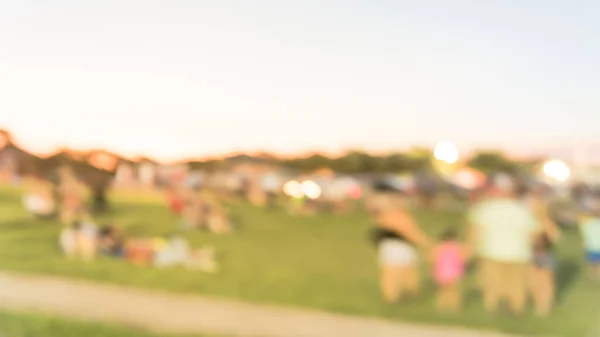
323	262
37	325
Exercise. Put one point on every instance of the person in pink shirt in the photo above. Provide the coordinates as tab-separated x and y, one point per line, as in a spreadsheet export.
449	258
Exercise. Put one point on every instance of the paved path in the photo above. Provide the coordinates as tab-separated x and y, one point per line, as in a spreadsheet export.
162	312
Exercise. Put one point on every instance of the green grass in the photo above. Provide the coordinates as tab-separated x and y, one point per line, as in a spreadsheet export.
38	325
323	262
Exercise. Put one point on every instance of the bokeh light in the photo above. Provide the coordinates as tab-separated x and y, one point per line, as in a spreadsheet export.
311	189
557	170
446	151
293	189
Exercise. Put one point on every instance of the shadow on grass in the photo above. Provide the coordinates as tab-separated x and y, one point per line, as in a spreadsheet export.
566	274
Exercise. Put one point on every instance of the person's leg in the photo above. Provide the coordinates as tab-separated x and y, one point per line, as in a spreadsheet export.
492	283
516	285
535	280
390	283
410	280
408	259
455	296
441	298
547	290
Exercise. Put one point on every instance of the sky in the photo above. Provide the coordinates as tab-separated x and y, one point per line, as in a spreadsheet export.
189	78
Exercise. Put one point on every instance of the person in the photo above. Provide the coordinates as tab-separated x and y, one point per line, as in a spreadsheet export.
544	261
38	198
590	230
110	242
449	258
79	240
502	229
542	274
86	240
99	199
396	236
68	242
71	197
270	184
176	204
194	210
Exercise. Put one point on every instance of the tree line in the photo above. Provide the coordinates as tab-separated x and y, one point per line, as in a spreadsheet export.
356	162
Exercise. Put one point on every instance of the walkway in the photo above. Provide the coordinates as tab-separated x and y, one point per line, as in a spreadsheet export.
162	312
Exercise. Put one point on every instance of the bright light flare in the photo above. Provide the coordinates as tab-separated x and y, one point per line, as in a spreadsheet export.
293	189
557	170
446	151
311	189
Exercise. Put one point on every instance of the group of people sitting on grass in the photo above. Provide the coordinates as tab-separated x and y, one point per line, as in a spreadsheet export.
510	243
85	241
82	239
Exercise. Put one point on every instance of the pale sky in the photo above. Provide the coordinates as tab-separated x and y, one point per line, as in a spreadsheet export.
192	77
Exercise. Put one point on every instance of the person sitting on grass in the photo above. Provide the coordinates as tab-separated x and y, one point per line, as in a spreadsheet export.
79	241
139	251
38	199
110	242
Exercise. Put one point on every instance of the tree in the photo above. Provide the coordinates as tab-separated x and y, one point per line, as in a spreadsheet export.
493	162
356	162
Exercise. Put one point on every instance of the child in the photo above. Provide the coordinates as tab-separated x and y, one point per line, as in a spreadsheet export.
68	242
542	277
590	229
449	266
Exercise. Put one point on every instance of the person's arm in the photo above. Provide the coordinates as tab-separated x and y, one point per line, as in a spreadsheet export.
472	231
547	225
411	230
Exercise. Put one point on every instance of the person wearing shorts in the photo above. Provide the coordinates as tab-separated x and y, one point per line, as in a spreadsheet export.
502	232
396	237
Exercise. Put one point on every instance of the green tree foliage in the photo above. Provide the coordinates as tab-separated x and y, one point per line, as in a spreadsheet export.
493	162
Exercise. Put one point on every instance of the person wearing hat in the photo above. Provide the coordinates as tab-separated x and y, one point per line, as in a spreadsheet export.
502	230
397	237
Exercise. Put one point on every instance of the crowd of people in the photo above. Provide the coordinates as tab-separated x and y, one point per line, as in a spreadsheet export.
510	241
510	238
74	204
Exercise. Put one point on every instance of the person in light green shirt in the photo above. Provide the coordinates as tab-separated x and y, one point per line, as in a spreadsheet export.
502	232
590	230
505	227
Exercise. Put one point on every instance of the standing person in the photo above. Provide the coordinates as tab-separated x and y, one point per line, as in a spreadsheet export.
449	258
270	184
397	236
543	274
502	232
71	192
590	230
542	281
